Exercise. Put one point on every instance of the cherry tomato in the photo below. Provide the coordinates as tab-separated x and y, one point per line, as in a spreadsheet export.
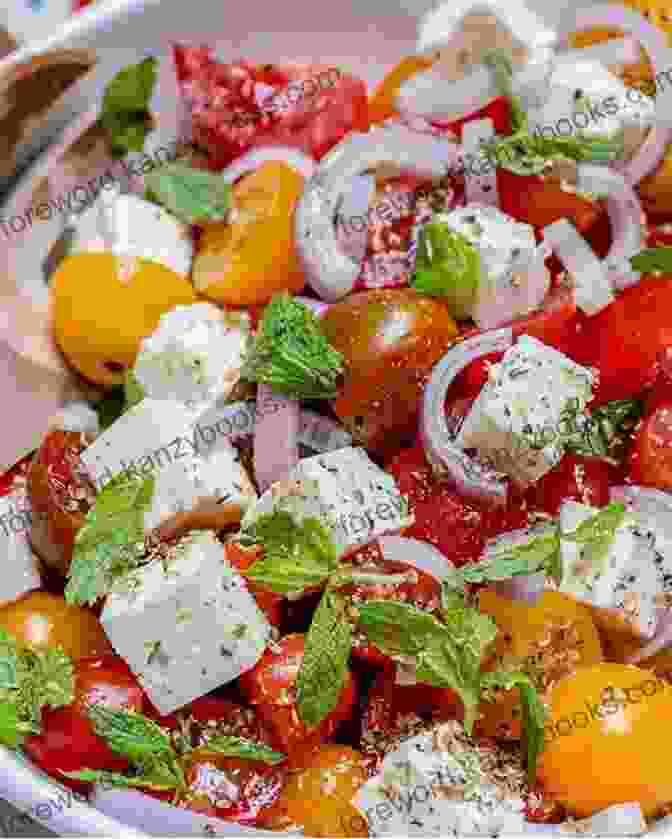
42	618
59	497
270	687
625	340
317	798
575	478
14	476
421	590
310	108
68	742
271	604
651	456
455	526
499	111
390	339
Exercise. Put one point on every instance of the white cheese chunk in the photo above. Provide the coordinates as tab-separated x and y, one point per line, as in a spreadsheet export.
515	422
356	499
625	579
20	568
185	625
194	355
408	796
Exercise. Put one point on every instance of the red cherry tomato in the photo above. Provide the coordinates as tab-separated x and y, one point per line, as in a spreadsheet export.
625	340
575	478
310	107
455	526
270	603
421	590
270	687
68	741
651	454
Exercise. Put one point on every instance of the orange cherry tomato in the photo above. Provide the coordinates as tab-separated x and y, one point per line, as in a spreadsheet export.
608	739
40	618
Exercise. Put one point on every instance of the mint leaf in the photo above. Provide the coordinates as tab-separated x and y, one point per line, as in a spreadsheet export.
540	552
196	196
111	540
104	778
133	391
604	432
653	259
131	89
324	668
8	660
291	352
110	407
45	678
534	712
13	729
501	64
131	734
297	556
397	628
599	528
229	746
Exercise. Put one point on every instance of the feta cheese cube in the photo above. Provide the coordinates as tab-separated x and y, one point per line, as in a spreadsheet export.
626	579
194	355
187	624
20	570
356	499
515	422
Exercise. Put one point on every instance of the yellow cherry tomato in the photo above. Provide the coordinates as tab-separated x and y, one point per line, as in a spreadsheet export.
553	637
246	261
100	316
381	104
607	740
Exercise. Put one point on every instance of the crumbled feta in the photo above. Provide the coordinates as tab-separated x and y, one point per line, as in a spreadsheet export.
21	571
187	624
425	788
515	422
355	499
625	579
194	355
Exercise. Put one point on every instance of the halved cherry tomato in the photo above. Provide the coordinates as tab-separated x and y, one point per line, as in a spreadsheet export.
651	455
421	590
271	604
575	478
236	107
455	526
68	742
270	689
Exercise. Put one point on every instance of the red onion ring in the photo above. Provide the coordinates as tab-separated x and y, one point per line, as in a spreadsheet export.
420	554
625	217
253	159
276	436
470	478
524	588
662	639
654	42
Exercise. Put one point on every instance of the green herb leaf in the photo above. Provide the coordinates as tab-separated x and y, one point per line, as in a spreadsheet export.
324	668
501	64
296	556
111	406
291	353
534	712
397	628
114	779
448	266
539	552
134	392
131	89
229	746
604	432
45	678
8	661
13	729
195	196
110	542
131	734
653	259
596	534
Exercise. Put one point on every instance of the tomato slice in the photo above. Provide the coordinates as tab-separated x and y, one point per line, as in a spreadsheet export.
270	603
576	478
650	462
236	107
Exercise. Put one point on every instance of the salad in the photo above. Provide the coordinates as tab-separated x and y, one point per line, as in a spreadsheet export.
368	529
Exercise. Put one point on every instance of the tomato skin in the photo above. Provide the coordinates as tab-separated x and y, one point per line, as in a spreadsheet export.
624	341
577	478
650	462
471	380
68	741
457	527
269	687
270	603
424	592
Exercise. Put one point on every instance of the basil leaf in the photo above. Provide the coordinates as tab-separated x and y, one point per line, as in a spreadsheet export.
196	196
297	556
229	746
324	668
534	712
131	734
653	259
111	540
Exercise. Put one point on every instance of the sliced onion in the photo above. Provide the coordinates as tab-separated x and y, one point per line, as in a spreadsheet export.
654	42
253	159
330	272
662	638
525	588
471	478
276	436
420	554
625	217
